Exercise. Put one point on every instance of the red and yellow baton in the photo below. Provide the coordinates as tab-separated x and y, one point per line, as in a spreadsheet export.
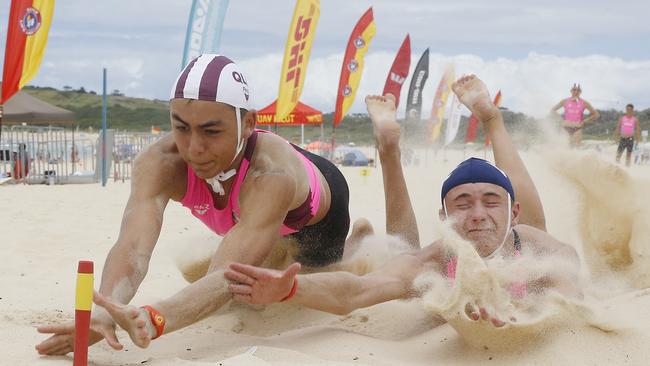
83	305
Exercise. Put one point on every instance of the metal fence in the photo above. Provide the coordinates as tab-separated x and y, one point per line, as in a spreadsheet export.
126	146
55	155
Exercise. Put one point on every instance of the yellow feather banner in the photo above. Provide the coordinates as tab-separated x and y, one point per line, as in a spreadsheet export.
296	55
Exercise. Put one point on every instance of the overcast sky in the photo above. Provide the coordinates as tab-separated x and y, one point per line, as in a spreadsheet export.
532	50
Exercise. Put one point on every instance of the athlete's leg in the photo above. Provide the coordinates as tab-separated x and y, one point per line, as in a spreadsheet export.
400	218
360	229
619	150
628	156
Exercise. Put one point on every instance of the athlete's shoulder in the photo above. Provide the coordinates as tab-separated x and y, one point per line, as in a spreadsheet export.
272	154
159	165
528	231
541	241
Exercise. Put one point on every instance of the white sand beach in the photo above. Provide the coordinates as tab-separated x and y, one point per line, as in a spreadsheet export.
601	210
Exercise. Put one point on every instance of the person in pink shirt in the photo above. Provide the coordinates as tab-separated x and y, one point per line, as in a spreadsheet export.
253	188
573	118
627	133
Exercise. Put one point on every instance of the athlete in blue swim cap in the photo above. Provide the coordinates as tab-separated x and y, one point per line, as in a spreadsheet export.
487	203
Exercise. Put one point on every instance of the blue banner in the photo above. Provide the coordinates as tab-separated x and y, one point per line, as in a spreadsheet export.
204	28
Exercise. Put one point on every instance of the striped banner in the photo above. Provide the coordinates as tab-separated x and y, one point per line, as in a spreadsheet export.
353	62
453	122
27	31
440	102
204	28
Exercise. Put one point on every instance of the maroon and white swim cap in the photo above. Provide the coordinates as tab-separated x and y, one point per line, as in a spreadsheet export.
213	78
216	78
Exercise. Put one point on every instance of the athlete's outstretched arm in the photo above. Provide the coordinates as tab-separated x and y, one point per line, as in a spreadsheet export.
400	218
128	260
473	93
265	202
332	292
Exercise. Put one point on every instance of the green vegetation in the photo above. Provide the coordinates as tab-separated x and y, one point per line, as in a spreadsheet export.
139	114
125	113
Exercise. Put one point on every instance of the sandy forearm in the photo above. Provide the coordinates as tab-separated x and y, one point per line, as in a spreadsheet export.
194	302
330	292
123	273
344	292
508	159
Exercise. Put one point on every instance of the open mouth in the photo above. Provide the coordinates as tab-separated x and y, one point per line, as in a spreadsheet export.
480	230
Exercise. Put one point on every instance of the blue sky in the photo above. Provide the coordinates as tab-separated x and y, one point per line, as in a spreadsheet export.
532	50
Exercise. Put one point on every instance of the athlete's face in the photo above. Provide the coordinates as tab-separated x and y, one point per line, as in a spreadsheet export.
629	110
575	92
206	134
480	214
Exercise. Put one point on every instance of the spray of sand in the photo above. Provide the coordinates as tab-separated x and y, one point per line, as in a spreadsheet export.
484	284
194	263
613	216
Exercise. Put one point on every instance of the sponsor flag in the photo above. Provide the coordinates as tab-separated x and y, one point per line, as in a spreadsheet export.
453	122
414	100
399	71
296	55
353	64
27	31
440	102
204	28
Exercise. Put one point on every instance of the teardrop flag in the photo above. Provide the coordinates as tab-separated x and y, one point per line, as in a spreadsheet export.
27	31
399	71
353	62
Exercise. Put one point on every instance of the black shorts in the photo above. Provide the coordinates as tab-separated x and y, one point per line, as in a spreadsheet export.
572	130
323	243
625	143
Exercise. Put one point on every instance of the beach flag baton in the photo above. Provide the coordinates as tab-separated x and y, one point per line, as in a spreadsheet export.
83	305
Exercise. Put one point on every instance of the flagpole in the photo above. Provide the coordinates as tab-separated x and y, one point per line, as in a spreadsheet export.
333	141
1	115
104	152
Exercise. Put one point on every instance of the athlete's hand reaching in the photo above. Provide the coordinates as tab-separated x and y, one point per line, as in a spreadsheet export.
257	285
62	340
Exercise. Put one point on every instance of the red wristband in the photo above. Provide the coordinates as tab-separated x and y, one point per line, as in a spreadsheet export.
157	319
294	288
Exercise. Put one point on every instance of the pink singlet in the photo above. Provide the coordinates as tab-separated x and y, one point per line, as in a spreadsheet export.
517	290
574	111
198	197
628	124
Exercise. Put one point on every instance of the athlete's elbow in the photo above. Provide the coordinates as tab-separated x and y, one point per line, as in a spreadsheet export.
342	309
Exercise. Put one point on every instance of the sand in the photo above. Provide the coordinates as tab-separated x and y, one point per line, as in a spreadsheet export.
598	209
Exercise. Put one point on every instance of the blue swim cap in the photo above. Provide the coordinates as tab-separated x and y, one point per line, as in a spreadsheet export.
475	170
